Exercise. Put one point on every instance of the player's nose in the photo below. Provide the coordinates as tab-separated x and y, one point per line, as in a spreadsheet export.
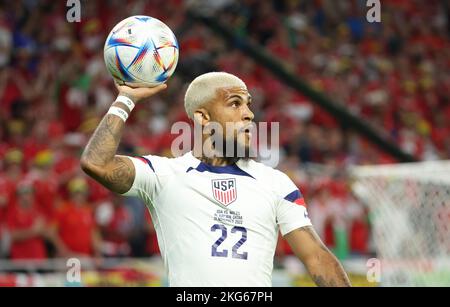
248	114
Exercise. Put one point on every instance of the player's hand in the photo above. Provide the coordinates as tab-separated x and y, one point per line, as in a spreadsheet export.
140	93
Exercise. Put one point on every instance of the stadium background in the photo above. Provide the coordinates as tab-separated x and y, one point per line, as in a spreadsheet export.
54	89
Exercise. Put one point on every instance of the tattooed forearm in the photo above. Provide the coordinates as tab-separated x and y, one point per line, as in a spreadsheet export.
99	158
104	142
321	282
322	265
332	275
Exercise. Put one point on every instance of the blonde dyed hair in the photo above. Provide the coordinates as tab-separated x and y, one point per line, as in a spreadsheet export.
203	89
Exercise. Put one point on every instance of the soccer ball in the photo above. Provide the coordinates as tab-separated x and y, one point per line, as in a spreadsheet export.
141	51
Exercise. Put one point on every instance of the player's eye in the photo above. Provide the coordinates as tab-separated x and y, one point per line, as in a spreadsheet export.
235	103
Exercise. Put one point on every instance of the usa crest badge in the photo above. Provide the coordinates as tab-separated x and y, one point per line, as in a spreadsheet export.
224	190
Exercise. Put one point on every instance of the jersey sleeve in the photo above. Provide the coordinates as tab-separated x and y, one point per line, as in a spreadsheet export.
291	209
150	173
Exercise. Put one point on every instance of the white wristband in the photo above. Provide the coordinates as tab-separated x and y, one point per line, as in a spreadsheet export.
118	112
126	101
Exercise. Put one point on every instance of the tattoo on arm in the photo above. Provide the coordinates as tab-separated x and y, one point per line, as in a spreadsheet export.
325	270
121	175
104	142
335	278
114	172
321	282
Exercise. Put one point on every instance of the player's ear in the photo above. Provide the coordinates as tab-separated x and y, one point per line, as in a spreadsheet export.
201	116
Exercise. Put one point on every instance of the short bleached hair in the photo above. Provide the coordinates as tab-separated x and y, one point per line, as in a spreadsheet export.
203	89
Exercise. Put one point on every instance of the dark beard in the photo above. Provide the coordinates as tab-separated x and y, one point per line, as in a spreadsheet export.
232	151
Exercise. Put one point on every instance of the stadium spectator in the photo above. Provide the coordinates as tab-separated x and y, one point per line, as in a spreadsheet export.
115	223
45	182
11	175
74	223
26	226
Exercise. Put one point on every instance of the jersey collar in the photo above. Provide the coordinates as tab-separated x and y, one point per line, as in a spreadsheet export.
201	167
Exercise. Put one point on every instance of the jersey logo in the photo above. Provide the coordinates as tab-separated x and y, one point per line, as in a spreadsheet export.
224	190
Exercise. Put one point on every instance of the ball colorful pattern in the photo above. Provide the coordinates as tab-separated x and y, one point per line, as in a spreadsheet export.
141	51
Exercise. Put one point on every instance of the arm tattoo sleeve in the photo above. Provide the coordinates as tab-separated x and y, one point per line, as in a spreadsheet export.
114	172
103	144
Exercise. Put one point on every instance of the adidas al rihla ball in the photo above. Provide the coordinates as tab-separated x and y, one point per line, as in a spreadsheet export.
141	51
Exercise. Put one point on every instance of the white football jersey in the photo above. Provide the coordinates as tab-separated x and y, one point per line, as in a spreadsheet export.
217	225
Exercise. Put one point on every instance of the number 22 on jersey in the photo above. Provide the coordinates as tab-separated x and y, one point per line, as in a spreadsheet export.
224	253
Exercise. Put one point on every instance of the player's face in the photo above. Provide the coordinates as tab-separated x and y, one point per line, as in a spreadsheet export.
231	110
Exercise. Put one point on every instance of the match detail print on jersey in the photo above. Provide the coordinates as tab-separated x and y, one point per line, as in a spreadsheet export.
224	190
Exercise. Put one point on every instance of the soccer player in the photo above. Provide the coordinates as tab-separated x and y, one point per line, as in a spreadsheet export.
217	217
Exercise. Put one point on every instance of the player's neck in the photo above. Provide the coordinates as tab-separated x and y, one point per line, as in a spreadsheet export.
218	161
214	159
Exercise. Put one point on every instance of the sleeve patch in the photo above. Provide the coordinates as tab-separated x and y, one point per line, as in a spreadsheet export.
296	197
300	201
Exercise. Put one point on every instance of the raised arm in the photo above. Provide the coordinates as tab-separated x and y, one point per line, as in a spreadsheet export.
99	159
322	265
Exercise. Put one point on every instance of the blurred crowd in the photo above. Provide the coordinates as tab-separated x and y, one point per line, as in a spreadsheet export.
54	89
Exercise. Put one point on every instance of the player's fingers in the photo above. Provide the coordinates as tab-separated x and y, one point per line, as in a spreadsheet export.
120	86
158	88
146	92
141	92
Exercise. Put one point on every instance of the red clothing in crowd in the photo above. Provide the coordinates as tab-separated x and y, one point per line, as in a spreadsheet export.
7	190
2	215
19	218
71	108
67	164
4	198
97	192
114	230
46	193
31	147
359	237
76	226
